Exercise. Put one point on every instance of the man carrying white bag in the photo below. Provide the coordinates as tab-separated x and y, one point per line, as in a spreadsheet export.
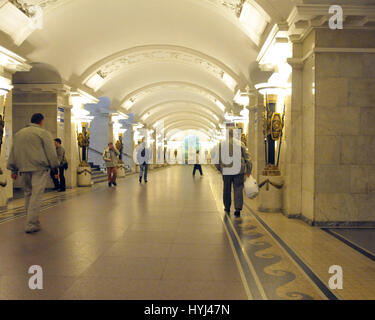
251	188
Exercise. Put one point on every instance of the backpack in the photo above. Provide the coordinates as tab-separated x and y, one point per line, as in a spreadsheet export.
143	153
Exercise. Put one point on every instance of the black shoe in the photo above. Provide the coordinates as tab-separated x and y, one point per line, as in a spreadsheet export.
56	188
140	179
62	190
146	181
109	184
237	213
227	212
114	183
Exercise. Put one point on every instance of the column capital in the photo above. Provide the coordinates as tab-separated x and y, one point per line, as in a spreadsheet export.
305	17
296	63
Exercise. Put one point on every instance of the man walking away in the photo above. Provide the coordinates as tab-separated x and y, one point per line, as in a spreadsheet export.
32	156
143	159
110	156
238	179
197	165
58	176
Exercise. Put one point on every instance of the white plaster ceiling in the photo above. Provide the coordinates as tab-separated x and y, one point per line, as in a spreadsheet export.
135	44
158	112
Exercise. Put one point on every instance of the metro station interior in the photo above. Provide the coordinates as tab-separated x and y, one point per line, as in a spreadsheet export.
295	77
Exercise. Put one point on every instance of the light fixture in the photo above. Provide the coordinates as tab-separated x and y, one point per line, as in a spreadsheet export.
229	81
95	82
146	116
253	20
267	89
5	86
128	104
277	53
220	105
242	98
245	113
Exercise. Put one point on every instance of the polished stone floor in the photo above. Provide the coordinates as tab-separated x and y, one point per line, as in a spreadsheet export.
163	240
170	240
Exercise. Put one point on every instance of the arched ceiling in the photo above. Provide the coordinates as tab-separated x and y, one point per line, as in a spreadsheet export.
147	55
156	113
184	119
184	114
170	86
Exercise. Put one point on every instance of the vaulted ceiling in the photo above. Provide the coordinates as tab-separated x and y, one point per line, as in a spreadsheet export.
174	60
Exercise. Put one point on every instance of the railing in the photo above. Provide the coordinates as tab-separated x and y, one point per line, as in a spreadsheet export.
101	152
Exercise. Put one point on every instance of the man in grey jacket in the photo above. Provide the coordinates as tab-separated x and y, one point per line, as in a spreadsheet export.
32	156
234	164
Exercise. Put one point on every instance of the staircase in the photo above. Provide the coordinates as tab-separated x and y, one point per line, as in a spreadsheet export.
97	174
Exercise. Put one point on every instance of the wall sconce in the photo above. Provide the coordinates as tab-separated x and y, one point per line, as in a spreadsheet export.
273	127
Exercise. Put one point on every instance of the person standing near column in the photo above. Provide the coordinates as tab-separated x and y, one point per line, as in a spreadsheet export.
58	176
110	156
32	156
143	157
236	176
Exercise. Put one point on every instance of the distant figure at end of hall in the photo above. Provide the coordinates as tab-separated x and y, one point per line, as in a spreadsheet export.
32	156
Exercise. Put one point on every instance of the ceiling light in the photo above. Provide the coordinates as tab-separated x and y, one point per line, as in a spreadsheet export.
229	81
253	21
220	105
242	98
95	82
277	53
128	104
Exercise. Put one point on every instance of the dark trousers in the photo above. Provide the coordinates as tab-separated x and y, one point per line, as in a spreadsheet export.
197	167
60	182
238	182
143	169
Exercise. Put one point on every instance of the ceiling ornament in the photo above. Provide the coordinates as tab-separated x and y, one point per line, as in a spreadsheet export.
235	6
170	86
155	55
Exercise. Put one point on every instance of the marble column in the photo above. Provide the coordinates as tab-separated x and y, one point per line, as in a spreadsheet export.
6	191
71	148
291	158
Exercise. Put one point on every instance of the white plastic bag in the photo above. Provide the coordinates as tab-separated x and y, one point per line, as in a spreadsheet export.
251	188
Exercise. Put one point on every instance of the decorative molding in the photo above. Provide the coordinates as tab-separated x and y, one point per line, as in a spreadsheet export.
153	55
218	111
41	88
13	62
304	18
344	50
140	94
234	6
